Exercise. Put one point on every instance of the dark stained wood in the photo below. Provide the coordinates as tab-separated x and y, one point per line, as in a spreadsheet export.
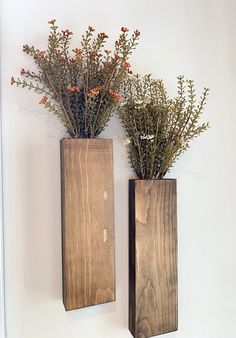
153	302
87	222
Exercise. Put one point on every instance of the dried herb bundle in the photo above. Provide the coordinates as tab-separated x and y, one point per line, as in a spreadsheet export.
81	89
159	128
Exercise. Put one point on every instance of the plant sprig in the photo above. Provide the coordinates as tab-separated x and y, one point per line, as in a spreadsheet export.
159	129
81	87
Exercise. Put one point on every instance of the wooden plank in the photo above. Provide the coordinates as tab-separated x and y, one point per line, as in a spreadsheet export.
87	222
153	303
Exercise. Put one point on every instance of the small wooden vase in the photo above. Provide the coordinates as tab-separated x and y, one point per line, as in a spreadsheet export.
87	222
153	303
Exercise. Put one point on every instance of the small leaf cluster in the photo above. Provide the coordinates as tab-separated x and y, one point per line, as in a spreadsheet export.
159	128
81	87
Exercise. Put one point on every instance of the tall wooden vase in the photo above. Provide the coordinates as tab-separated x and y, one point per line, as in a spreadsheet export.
87	222
152	257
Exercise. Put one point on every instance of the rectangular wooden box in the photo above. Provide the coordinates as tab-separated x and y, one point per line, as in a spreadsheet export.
153	303
87	222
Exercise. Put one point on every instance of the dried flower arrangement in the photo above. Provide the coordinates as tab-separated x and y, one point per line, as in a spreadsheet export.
159	128
82	90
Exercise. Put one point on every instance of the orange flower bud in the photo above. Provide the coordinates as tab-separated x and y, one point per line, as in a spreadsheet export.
13	81
41	54
116	57
26	49
91	29
70	88
22	72
73	88
67	32
43	100
95	91
124	29
115	95
51	22
77	51
126	65
103	36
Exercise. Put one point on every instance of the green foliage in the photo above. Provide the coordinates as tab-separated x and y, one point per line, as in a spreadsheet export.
159	128
82	90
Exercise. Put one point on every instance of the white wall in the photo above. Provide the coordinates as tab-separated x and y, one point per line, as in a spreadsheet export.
195	38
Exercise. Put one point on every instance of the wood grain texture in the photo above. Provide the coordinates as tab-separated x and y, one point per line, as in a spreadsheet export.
153	303
87	222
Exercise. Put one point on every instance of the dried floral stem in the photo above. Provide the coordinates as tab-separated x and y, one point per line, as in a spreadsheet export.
84	85
159	128
71	128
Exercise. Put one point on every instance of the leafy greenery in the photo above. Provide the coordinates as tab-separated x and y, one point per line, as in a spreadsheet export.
159	128
81	89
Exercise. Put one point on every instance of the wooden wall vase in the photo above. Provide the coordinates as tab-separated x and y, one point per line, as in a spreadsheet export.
153	303
87	222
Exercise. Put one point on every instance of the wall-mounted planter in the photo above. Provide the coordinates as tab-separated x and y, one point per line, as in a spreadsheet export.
87	222
153	303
